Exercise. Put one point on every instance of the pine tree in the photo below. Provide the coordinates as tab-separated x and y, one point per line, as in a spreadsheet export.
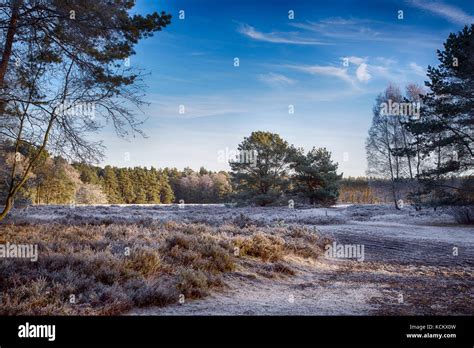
222	186
126	185
110	185
153	186
446	128
88	173
70	51
166	192
315	176
260	172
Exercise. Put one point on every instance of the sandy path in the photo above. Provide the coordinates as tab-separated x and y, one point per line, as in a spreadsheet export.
412	260
314	290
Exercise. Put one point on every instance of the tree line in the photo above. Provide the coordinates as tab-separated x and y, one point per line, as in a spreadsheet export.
258	179
373	190
277	174
140	185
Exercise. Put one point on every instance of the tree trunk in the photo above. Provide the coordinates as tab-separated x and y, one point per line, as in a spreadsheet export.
405	144
7	49
392	179
8	206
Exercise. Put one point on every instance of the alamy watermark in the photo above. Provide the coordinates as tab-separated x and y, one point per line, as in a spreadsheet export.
237	156
20	251
77	109
37	331
345	251
400	109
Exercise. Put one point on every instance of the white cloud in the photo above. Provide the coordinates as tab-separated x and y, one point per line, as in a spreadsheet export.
354	60
339	28
276	37
386	61
193	106
365	69
275	79
356	30
362	73
357	60
417	69
340	73
449	12
382	71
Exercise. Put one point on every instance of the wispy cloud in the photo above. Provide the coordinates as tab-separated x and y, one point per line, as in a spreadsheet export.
277	37
340	73
449	12
361	70
192	106
417	69
362	73
340	28
385	61
355	60
355	30
275	79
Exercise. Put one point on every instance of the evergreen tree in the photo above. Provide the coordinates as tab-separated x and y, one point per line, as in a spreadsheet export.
174	176
153	187
166	192
315	176
110	185
59	183
260	173
88	174
138	180
445	131
125	186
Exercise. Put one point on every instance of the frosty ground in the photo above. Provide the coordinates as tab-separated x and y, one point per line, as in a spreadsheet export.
416	263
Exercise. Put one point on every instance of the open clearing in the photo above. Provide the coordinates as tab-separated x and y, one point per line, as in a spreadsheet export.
415	263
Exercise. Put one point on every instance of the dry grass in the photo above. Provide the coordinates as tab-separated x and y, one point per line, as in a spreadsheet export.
111	268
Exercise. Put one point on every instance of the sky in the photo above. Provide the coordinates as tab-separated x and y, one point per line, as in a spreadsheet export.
327	64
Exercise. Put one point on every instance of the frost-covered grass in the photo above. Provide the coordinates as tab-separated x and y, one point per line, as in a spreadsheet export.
211	214
194	250
217	214
111	268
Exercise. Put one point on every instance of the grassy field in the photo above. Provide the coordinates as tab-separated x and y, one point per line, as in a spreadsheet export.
207	260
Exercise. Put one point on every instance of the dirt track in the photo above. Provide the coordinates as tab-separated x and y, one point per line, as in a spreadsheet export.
408	269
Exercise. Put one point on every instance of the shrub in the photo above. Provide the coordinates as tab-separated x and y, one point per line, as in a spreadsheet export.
145	261
193	283
265	247
166	259
463	214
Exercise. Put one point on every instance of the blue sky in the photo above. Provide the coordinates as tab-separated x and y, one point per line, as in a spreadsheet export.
282	62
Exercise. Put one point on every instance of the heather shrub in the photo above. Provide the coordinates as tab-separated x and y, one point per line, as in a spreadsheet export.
88	263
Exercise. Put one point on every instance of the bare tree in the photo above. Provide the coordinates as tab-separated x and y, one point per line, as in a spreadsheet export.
414	94
385	135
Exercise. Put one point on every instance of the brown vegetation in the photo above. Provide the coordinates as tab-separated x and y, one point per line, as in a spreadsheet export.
111	268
